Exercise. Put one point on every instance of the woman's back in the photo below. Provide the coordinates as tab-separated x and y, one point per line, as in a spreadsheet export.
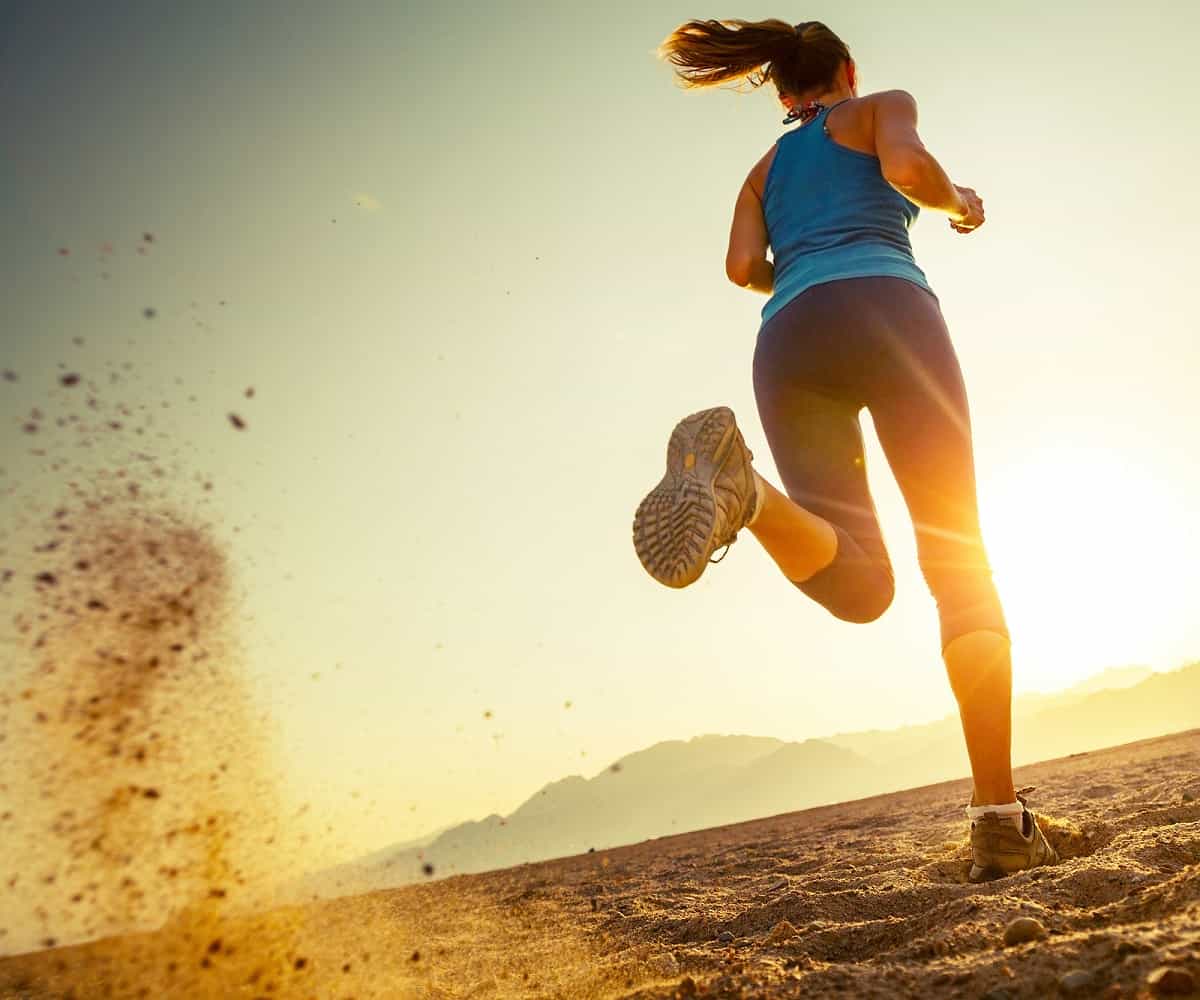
829	212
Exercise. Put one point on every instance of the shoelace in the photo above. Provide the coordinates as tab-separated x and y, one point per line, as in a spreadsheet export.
727	546
734	539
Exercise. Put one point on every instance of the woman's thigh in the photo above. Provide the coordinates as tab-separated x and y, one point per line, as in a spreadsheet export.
811	421
918	405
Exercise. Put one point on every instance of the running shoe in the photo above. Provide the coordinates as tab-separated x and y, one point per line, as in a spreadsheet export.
1000	849
706	496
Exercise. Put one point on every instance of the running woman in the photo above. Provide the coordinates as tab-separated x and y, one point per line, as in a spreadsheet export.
850	322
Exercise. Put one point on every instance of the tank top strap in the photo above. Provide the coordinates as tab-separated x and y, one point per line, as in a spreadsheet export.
824	116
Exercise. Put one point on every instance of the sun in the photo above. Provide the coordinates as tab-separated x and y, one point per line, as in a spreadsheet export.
1084	544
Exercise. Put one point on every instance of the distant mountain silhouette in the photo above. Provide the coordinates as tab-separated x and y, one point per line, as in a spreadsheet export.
681	785
1114	678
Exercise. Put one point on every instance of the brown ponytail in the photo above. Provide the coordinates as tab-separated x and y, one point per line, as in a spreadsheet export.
708	53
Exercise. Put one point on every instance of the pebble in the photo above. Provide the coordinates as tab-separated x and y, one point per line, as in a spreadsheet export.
779	883
725	936
1167	981
781	932
997	994
1075	983
1023	929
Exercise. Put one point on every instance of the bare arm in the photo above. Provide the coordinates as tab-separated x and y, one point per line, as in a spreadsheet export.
911	169
746	261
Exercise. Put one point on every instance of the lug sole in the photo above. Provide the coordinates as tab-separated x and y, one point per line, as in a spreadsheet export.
674	528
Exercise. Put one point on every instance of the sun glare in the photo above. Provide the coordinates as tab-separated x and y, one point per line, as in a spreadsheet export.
1085	549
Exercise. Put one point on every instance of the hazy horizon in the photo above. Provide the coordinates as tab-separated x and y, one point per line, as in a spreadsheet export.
830	736
471	262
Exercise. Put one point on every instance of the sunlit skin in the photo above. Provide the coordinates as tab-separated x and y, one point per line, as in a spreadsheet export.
800	542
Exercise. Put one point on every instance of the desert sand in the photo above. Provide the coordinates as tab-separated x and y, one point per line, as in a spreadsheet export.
865	899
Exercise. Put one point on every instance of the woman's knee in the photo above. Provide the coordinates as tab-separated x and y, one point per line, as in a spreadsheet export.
967	602
860	600
870	604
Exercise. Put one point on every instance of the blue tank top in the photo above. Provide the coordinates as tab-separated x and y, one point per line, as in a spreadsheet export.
830	215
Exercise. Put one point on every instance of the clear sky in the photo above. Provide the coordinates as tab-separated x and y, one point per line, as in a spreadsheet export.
465	384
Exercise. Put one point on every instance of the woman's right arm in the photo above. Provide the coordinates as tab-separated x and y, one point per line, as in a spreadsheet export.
911	169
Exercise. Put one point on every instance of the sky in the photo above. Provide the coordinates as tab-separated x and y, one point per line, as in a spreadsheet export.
472	262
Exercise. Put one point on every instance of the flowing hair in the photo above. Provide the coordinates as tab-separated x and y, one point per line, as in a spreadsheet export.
794	57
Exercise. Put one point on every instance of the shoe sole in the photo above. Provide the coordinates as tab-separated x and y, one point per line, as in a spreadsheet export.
674	527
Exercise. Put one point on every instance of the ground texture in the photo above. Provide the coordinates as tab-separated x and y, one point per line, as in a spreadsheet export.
862	899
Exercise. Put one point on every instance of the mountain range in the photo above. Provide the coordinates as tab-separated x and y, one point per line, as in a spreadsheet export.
713	780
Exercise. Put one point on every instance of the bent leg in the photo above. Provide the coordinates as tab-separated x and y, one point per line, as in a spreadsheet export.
825	529
800	542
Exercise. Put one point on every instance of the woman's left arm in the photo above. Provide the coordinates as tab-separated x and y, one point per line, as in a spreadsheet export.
746	263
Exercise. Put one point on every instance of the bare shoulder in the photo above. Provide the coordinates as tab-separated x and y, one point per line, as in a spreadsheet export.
851	123
895	101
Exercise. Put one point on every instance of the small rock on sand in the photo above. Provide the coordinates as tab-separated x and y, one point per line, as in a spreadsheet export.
1075	983
725	936
1023	929
778	883
780	932
997	994
1167	981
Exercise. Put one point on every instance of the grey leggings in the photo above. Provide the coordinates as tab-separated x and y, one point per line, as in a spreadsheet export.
878	342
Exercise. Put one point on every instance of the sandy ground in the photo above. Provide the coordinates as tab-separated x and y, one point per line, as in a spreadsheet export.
862	899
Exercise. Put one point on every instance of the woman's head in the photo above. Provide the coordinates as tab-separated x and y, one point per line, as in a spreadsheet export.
801	60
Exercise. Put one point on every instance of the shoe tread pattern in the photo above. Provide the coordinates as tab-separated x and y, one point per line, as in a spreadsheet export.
689	514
